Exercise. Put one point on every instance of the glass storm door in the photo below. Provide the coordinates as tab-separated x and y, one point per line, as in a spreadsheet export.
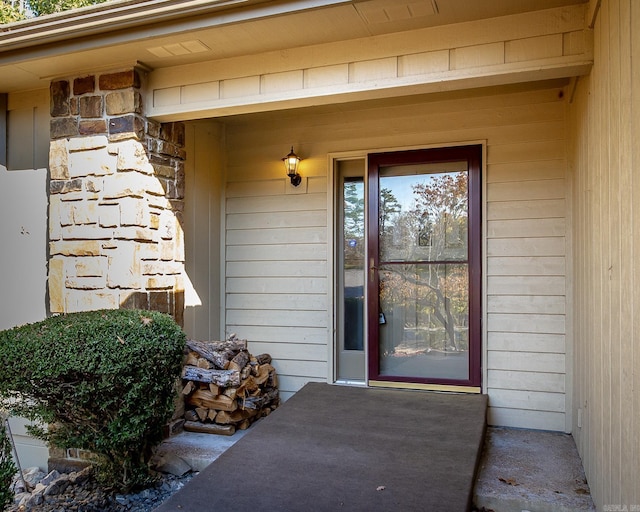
424	267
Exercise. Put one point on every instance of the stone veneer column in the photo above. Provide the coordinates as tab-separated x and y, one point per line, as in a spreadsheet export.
116	198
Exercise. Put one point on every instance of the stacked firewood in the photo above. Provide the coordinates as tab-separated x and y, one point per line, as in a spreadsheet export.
225	387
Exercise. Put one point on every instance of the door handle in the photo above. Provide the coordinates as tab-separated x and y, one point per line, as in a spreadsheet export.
372	269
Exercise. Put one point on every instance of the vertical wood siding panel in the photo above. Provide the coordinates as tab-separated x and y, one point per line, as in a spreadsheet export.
605	119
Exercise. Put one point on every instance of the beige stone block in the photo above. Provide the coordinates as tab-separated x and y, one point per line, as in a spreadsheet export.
326	76
131	184
93	185
85	283
134	233
154	221
65	216
161	282
87	143
179	254
55	206
75	248
59	160
133	157
423	63
85	212
153	268
124	267
56	285
167	225
89	300
91	163
134	212
148	251
167	250
79	196
477	56
123	102
159	202
90	266
109	215
274	83
533	48
370	70
86	232
240	87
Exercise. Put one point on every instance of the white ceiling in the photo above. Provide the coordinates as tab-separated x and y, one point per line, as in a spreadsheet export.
245	27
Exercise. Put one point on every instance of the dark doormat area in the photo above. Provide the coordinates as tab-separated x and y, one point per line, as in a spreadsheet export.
339	448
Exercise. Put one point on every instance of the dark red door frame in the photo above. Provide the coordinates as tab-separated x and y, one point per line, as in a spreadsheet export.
472	154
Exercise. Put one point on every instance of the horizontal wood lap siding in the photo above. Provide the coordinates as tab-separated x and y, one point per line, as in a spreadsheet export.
526	283
605	159
276	274
277	242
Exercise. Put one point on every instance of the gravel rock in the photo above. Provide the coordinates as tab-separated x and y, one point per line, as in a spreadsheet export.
79	492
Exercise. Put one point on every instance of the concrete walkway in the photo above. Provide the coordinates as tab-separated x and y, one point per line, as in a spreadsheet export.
521	470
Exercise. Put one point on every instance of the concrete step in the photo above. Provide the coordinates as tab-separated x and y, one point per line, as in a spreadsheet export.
198	450
531	471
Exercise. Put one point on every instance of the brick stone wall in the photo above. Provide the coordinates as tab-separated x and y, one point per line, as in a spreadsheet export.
116	199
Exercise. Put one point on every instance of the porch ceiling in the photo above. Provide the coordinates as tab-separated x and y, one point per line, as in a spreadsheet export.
164	33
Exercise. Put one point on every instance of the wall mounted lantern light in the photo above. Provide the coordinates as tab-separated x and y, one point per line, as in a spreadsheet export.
291	162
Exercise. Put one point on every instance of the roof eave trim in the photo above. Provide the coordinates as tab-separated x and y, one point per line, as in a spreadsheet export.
126	14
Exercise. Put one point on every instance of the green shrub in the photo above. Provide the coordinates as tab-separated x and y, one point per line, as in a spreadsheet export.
7	467
103	381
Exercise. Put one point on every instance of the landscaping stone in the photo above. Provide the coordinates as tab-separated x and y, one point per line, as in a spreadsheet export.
79	491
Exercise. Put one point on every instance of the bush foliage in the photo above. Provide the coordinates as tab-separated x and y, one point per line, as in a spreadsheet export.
103	381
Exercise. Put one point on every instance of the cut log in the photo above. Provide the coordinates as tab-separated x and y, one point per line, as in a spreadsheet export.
224	378
215	389
218	352
263	373
202	413
239	361
191	415
188	388
272	381
231	393
246	371
211	416
204	363
248	385
259	401
243	425
209	428
192	359
263	359
225	418
204	398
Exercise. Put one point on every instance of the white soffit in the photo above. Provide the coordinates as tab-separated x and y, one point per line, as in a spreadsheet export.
183	48
380	11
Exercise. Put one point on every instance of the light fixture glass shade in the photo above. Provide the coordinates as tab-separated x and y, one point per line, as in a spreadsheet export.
291	162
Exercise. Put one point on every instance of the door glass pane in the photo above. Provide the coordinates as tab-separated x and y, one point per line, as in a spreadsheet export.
423	271
424	213
354	259
425	329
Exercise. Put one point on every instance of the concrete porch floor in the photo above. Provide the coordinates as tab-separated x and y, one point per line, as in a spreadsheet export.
520	470
531	470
